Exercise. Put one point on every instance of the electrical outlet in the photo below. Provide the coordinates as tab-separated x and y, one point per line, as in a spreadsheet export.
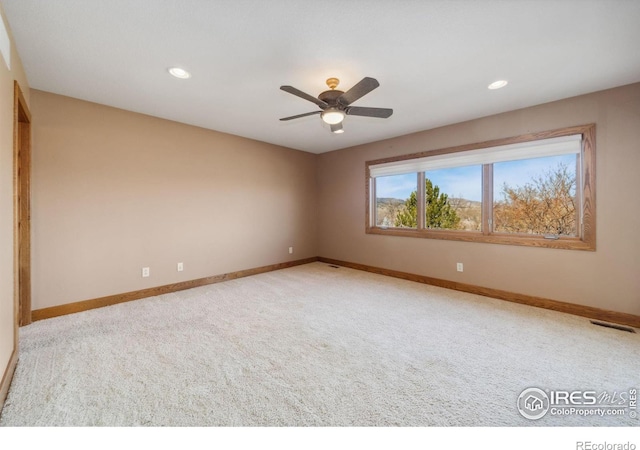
145	272
459	267
291	250
180	267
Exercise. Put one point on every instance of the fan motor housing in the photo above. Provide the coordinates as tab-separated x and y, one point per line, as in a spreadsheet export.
330	96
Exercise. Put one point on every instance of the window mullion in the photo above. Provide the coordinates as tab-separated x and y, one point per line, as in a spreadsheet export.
373	209
487	199
579	206
421	202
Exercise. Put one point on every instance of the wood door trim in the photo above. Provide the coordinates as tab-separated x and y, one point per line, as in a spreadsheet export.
7	377
22	213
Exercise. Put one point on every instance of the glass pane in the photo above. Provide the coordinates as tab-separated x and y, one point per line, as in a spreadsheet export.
396	201
454	198
536	196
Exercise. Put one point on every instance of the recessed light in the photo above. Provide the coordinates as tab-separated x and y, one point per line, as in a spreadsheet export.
179	73
498	84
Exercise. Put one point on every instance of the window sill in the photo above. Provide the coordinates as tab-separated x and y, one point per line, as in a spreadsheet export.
564	243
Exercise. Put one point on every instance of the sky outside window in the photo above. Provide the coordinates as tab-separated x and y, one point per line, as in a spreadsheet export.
466	182
519	173
458	182
396	186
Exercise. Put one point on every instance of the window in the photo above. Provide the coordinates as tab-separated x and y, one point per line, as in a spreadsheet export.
454	198
536	196
537	190
393	194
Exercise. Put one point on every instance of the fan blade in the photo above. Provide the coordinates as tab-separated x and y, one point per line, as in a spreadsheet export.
299	93
382	113
301	115
361	89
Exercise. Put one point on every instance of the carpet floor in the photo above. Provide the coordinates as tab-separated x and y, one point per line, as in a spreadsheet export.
313	345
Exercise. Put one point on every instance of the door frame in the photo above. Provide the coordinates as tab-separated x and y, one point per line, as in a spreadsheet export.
21	209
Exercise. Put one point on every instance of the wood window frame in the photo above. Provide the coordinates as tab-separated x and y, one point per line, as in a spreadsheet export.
586	182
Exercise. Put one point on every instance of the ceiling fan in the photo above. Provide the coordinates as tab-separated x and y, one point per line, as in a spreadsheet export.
335	104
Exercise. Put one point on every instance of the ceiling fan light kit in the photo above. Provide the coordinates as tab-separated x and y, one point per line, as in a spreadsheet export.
332	116
335	104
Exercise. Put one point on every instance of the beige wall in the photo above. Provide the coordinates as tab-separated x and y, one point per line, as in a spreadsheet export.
7	78
114	191
608	278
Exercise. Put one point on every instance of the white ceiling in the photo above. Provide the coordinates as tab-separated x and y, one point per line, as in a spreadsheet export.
433	59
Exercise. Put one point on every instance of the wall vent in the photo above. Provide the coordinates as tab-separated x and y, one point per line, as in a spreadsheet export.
614	326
